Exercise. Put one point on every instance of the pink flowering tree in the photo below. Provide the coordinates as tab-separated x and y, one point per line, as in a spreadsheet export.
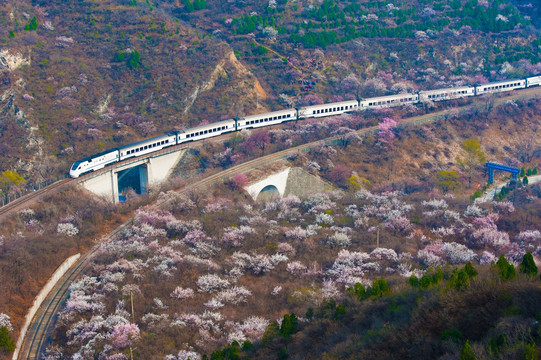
386	133
240	180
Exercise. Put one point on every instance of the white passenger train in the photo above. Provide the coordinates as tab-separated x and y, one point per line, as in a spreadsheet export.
105	158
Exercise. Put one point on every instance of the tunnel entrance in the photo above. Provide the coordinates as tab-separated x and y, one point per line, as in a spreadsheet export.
267	193
135	178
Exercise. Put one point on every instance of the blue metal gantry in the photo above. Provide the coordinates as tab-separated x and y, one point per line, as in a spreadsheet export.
495	166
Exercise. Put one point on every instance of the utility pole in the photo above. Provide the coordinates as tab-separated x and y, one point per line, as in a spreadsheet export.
377	238
132	319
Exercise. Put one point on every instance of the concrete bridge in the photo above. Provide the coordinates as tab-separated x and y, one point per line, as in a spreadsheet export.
138	173
295	181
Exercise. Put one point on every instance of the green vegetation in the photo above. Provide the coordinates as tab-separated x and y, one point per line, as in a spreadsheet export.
460	279
379	288
10	178
196	5
471	159
389	325
132	58
467	352
528	266
6	343
447	180
506	271
32	25
335	22
431	278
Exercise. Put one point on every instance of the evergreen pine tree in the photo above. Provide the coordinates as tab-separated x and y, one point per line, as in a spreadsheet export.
506	271
528	266
467	352
6	342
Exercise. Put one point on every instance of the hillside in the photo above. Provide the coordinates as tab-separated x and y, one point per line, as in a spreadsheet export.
80	77
297	247
214	267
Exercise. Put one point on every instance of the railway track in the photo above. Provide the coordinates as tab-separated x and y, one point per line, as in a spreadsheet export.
21	202
44	319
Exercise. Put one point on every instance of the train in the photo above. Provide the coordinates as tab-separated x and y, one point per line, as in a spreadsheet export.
108	157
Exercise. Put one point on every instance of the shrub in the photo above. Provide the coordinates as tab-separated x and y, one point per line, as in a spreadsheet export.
6	342
413	281
272	332
453	335
339	175
527	266
467	352
447	180
461	278
379	288
530	352
506	271
290	323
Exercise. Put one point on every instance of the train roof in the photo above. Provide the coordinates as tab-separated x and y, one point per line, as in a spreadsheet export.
171	133
209	126
447	89
390	96
97	155
346	102
501	82
279	112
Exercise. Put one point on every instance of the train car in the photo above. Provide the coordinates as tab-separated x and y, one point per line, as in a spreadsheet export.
206	131
147	146
446	94
94	162
331	109
388	101
533	81
500	86
266	119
